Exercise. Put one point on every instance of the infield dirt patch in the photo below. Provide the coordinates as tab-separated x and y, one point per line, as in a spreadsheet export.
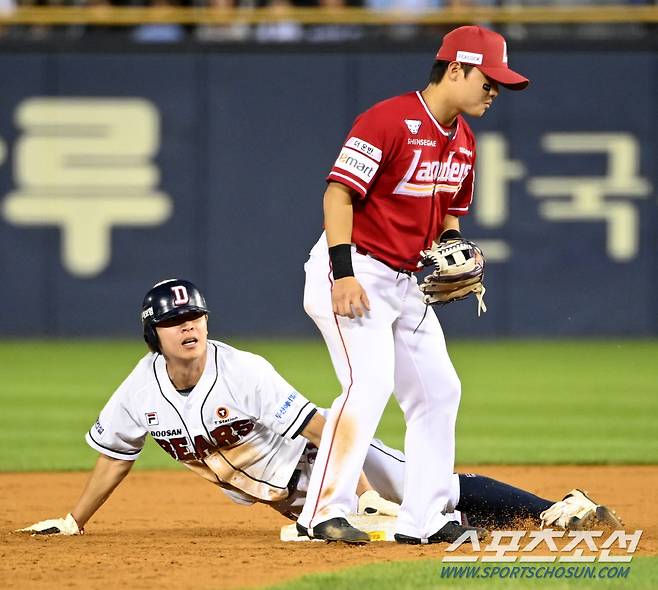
170	529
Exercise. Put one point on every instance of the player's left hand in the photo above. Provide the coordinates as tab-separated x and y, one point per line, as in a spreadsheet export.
54	526
370	502
458	272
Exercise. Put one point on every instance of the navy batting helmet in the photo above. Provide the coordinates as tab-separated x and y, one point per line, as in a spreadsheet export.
168	300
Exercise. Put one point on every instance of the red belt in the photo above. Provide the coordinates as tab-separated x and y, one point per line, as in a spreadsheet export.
360	250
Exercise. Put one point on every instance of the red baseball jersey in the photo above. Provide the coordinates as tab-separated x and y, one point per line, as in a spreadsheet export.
408	172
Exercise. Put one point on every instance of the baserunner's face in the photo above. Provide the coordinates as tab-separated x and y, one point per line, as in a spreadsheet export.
476	93
184	338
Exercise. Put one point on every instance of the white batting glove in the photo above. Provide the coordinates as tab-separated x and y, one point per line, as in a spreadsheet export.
54	526
372	503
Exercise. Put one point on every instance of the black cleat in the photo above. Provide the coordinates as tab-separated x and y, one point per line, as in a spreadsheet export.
336	529
448	533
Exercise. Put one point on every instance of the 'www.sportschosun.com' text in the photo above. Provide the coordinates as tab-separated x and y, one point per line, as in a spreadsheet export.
526	572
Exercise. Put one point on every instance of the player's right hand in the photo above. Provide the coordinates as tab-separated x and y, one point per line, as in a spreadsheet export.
349	298
54	526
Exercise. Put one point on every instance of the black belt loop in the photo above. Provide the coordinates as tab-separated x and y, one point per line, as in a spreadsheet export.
364	252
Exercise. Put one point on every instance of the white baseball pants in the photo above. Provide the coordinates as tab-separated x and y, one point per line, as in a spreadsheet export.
384	468
374	356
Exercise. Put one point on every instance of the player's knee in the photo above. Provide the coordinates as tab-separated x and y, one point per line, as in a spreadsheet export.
379	388
376	389
454	389
385	382
448	391
455	384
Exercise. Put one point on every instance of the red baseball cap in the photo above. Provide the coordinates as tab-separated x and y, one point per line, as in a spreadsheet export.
484	49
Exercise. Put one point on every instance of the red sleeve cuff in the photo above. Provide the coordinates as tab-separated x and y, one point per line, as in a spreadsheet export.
348	182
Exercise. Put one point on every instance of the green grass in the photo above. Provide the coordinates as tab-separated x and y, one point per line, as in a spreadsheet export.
522	401
426	575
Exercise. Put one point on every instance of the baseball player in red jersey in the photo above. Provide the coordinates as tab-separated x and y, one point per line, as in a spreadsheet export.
401	181
229	417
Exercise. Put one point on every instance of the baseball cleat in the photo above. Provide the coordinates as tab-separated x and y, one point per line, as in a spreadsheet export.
336	530
448	533
578	512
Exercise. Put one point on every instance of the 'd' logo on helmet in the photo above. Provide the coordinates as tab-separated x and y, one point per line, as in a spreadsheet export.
181	296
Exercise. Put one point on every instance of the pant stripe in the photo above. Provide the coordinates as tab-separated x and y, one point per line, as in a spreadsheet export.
347	395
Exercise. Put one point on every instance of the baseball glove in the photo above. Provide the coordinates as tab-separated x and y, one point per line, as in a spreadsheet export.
458	272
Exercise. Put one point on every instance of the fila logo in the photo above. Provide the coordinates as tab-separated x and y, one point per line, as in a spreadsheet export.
152	418
413	125
181	296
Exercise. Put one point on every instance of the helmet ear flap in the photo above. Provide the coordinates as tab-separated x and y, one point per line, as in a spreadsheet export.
151	338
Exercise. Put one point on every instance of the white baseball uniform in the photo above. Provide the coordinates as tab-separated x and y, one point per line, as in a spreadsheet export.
239	428
407	172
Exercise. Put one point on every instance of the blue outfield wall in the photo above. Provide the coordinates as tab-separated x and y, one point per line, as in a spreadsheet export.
120	169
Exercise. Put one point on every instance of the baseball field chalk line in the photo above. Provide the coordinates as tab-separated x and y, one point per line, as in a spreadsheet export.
380	528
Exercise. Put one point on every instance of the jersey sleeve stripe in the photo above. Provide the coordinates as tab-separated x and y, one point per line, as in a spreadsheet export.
304	423
350	182
306	409
296	418
125	455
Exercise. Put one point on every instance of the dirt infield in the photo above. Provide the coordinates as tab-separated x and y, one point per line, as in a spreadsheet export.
173	530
